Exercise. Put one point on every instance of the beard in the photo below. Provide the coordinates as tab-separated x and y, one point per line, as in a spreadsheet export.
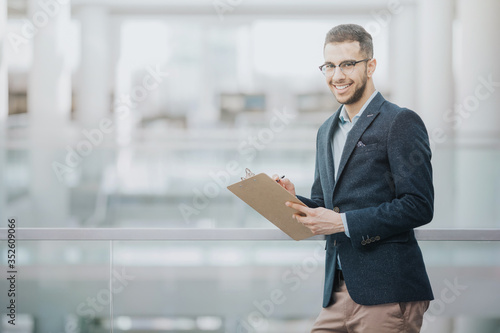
358	93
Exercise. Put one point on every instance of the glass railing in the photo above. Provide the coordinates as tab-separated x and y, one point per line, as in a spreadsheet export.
219	280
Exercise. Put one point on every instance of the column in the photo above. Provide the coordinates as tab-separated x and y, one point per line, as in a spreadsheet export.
477	125
124	109
92	86
207	113
49	85
402	51
245	71
476	119
4	89
93	90
4	106
49	106
435	91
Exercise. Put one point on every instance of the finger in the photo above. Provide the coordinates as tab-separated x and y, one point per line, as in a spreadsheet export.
297	206
304	221
286	181
275	177
299	218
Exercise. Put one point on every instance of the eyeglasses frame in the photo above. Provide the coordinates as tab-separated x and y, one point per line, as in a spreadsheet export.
339	65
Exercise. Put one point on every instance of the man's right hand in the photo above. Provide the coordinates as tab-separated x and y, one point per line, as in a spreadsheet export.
285	183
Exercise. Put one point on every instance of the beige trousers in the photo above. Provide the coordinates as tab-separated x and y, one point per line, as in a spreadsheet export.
344	315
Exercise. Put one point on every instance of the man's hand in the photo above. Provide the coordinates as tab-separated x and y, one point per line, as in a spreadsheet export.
320	221
285	183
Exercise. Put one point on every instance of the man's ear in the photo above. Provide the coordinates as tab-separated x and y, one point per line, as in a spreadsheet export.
371	66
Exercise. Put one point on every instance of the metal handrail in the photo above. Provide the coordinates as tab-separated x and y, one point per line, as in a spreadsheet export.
217	234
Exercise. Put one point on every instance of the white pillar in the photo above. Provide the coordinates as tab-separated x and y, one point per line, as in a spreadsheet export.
245	76
4	89
402	46
435	60
4	105
435	91
477	126
477	119
207	113
93	90
124	108
49	85
49	106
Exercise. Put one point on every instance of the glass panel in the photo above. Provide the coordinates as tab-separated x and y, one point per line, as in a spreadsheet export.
223	286
58	285
276	286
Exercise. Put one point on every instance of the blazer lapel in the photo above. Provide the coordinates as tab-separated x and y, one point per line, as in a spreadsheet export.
358	129
329	152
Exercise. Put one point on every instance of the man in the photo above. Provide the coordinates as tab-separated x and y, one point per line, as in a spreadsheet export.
372	187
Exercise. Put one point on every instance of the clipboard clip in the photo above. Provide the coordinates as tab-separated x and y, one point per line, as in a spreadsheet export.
248	174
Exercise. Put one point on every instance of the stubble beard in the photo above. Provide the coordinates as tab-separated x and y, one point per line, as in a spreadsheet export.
358	94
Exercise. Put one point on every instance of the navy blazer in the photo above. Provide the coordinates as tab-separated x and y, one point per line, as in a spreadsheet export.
384	186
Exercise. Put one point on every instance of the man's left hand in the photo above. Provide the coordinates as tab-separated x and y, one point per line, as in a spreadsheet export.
320	221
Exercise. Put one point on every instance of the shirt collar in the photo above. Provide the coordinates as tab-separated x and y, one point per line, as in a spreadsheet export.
344	117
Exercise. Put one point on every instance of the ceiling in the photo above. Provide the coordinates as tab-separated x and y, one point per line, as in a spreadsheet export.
234	7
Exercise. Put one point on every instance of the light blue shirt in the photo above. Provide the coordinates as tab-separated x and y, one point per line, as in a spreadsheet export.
339	138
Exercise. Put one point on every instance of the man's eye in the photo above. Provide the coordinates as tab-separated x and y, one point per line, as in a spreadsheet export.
329	66
347	65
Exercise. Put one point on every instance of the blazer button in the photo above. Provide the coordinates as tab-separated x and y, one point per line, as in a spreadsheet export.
363	242
373	239
377	238
336	209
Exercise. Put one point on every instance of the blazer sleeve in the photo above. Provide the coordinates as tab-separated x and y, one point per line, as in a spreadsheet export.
410	177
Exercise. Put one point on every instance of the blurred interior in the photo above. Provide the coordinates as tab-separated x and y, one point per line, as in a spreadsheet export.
139	113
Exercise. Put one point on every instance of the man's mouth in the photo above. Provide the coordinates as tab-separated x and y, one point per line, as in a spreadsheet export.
342	88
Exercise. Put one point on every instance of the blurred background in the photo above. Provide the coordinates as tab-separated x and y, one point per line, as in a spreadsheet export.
139	113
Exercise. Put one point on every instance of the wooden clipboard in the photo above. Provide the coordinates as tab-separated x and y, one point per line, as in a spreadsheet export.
268	198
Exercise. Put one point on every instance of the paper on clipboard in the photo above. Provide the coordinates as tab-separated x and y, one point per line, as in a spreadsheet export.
268	198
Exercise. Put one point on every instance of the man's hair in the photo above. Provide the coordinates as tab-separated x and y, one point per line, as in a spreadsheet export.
351	33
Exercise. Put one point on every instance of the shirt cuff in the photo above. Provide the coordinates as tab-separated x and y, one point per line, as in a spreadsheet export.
344	221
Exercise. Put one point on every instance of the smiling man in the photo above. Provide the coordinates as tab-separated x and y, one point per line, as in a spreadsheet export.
372	187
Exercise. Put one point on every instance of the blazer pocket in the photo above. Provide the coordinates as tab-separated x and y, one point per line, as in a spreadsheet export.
399	238
366	148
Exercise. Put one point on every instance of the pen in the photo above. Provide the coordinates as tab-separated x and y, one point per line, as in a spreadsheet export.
278	180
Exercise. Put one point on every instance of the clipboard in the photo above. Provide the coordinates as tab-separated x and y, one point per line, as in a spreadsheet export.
268	198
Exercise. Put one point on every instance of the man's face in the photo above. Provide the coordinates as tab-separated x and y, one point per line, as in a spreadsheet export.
347	89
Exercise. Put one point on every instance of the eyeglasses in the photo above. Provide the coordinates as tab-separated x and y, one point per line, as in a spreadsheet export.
347	67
